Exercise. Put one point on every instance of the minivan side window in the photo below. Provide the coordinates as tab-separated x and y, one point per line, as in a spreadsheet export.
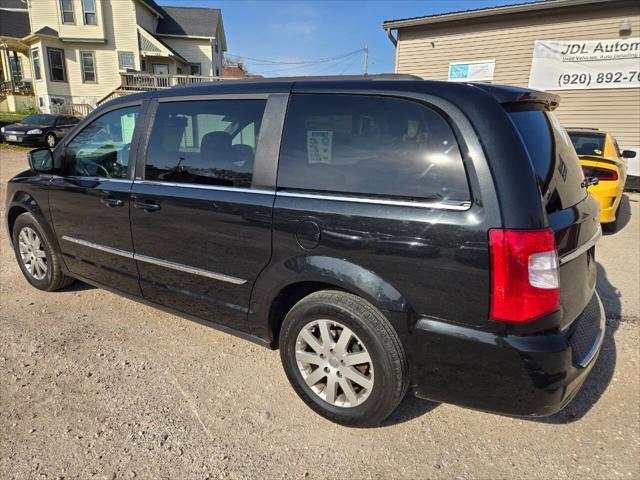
209	142
370	145
102	148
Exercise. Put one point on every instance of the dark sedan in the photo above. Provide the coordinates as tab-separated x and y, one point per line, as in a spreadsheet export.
39	130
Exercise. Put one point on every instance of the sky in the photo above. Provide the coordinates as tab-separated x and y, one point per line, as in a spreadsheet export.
274	37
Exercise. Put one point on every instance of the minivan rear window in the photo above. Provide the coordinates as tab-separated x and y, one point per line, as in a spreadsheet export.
553	157
360	144
536	135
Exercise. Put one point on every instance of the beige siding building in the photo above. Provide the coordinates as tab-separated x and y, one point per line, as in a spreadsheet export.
73	54
503	39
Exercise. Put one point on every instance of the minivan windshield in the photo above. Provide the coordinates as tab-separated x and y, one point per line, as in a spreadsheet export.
588	143
40	120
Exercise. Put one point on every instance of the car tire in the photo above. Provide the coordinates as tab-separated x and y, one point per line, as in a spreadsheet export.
50	140
41	265
363	394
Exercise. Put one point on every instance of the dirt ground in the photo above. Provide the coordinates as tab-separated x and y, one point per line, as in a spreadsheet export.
97	386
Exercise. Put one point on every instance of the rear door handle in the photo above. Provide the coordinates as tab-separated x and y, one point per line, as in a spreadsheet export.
147	206
112	202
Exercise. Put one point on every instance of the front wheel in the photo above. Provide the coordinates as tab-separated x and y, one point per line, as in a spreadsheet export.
343	358
51	140
39	263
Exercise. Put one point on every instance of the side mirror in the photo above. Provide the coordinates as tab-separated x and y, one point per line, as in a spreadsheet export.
628	154
40	160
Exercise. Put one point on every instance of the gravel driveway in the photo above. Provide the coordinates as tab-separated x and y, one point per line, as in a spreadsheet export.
97	386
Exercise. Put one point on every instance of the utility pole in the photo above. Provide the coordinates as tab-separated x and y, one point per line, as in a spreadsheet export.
366	60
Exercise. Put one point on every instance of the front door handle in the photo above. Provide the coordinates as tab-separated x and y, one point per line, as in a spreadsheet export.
112	202
148	205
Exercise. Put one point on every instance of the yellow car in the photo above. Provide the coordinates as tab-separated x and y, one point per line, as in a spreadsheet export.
601	158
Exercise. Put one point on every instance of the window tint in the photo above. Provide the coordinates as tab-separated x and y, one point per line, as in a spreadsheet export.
534	130
205	142
102	148
40	119
588	143
370	145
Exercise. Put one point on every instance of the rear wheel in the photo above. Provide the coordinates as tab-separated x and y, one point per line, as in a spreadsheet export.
343	358
39	263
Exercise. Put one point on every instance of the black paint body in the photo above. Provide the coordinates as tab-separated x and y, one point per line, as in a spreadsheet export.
426	269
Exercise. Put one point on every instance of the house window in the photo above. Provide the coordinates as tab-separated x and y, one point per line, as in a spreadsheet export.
89	12
67	11
179	70
41	101
125	61
57	71
88	61
35	59
216	46
195	69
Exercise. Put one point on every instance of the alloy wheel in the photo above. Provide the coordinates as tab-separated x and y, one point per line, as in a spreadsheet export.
334	363
32	253
51	141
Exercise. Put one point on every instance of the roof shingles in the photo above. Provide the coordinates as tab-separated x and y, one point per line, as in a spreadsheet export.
14	24
191	21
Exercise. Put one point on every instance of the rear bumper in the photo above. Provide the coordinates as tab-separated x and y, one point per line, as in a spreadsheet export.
608	195
510	374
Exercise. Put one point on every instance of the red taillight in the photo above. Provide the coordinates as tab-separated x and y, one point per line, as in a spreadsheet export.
525	275
603	174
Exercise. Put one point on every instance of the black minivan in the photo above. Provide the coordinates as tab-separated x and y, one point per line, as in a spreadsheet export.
385	232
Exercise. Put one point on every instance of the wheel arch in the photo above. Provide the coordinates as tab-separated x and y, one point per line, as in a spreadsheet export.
23	202
280	287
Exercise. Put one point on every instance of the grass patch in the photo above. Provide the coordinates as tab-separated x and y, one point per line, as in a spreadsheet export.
8	118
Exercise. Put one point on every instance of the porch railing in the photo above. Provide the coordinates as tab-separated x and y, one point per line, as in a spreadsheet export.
15	88
151	81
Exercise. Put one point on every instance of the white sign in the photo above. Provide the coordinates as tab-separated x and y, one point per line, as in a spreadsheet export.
579	65
472	71
319	146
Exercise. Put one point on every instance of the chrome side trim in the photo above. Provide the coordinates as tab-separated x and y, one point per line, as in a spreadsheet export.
461	206
582	248
595	348
97	246
156	261
205	187
187	269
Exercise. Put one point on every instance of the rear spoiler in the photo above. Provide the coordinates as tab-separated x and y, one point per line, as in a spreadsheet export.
595	158
512	96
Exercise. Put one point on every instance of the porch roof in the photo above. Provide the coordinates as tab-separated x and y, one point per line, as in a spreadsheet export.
159	45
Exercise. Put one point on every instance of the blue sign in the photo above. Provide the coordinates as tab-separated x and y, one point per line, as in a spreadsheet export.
458	71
